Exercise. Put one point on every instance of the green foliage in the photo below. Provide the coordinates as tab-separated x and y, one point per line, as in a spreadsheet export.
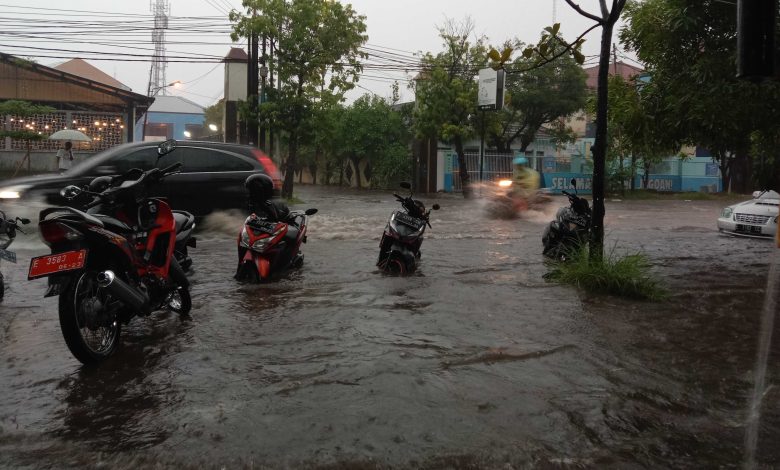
536	95
317	57
213	114
689	48
623	276
22	109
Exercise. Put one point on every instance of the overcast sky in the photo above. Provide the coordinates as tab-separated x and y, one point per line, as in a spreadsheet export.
401	26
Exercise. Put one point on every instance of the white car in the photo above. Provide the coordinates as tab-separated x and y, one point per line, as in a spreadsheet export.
756	218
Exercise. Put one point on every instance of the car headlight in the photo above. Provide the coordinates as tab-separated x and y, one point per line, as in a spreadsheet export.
727	212
13	192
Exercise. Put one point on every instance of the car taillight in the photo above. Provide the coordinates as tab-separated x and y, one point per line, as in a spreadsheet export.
55	232
269	166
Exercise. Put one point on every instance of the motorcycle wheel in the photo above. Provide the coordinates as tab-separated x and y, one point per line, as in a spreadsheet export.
394	266
90	340
179	300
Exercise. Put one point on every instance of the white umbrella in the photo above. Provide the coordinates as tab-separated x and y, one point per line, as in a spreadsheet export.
70	134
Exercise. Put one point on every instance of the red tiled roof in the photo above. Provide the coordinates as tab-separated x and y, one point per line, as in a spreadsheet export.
625	70
85	70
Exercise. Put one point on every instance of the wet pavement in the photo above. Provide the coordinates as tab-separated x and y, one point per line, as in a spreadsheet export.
473	362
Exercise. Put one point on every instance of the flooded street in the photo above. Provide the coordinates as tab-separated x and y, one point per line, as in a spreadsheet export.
472	362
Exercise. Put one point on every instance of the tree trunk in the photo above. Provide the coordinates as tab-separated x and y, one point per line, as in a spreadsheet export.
633	172
599	148
465	183
356	163
725	173
289	175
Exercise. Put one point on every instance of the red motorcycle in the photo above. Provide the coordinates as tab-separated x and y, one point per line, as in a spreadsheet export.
113	262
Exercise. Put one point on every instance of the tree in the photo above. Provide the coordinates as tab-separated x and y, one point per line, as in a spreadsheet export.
316	43
23	109
536	95
446	92
607	20
213	114
689	48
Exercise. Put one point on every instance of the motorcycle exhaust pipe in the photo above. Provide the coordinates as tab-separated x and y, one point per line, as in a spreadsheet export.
121	290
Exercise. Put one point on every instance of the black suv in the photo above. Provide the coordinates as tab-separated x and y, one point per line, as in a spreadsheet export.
212	175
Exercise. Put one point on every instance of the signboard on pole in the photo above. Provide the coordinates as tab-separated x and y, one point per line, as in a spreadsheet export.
491	89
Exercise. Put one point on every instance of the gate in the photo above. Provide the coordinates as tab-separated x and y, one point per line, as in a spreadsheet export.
496	166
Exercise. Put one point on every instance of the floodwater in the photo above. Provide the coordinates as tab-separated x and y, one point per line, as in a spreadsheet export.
473	362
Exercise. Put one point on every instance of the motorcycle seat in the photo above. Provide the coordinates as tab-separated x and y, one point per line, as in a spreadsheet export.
184	220
69	213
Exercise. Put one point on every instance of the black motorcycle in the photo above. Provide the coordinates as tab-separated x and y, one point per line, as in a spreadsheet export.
570	228
399	249
185	222
113	262
8	229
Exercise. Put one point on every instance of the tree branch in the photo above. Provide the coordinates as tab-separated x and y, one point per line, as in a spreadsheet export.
585	13
566	49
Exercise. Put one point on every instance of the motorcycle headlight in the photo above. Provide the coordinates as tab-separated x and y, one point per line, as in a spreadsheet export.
263	244
244	238
13	192
727	212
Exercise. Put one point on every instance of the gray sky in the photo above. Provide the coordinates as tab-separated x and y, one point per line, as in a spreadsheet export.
402	27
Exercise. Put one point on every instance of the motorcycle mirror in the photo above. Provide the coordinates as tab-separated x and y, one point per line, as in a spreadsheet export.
166	147
23	220
574	183
311	211
406	185
436	207
71	191
756	194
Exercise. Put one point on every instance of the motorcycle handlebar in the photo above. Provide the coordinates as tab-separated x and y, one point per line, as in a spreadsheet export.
171	168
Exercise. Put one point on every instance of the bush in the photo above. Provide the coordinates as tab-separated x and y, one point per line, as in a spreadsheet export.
622	276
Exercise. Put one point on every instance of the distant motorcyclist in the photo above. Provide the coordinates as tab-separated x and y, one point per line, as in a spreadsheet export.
260	189
525	180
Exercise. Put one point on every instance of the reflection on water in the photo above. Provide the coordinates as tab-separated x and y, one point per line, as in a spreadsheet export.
473	362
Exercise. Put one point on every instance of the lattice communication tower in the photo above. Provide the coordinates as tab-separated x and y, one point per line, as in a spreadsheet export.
157	81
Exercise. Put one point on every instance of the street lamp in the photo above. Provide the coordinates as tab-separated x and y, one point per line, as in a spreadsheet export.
153	92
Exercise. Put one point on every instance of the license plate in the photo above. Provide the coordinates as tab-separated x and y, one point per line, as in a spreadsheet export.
263	226
8	255
748	228
407	219
59	262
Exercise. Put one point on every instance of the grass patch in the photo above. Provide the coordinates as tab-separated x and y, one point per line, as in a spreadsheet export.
294	200
649	194
621	276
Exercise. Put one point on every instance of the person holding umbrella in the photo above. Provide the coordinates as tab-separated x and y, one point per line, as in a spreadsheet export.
65	157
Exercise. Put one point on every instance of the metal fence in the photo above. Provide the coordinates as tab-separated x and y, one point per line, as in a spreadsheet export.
495	166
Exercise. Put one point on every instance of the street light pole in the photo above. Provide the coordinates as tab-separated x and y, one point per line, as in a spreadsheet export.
153	93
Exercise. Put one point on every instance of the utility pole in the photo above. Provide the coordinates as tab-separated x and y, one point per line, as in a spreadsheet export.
263	73
252	87
614	58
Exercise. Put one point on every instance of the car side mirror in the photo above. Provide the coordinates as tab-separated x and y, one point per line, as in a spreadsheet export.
311	211
166	147
71	191
406	185
436	207
756	194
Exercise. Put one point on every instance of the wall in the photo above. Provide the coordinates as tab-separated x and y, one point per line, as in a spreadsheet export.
179	121
39	161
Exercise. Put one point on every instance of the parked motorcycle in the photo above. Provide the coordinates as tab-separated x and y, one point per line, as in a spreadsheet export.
399	248
506	202
8	229
113	262
570	228
268	246
185	222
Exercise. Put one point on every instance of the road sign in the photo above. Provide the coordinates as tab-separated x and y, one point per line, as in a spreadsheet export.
491	89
